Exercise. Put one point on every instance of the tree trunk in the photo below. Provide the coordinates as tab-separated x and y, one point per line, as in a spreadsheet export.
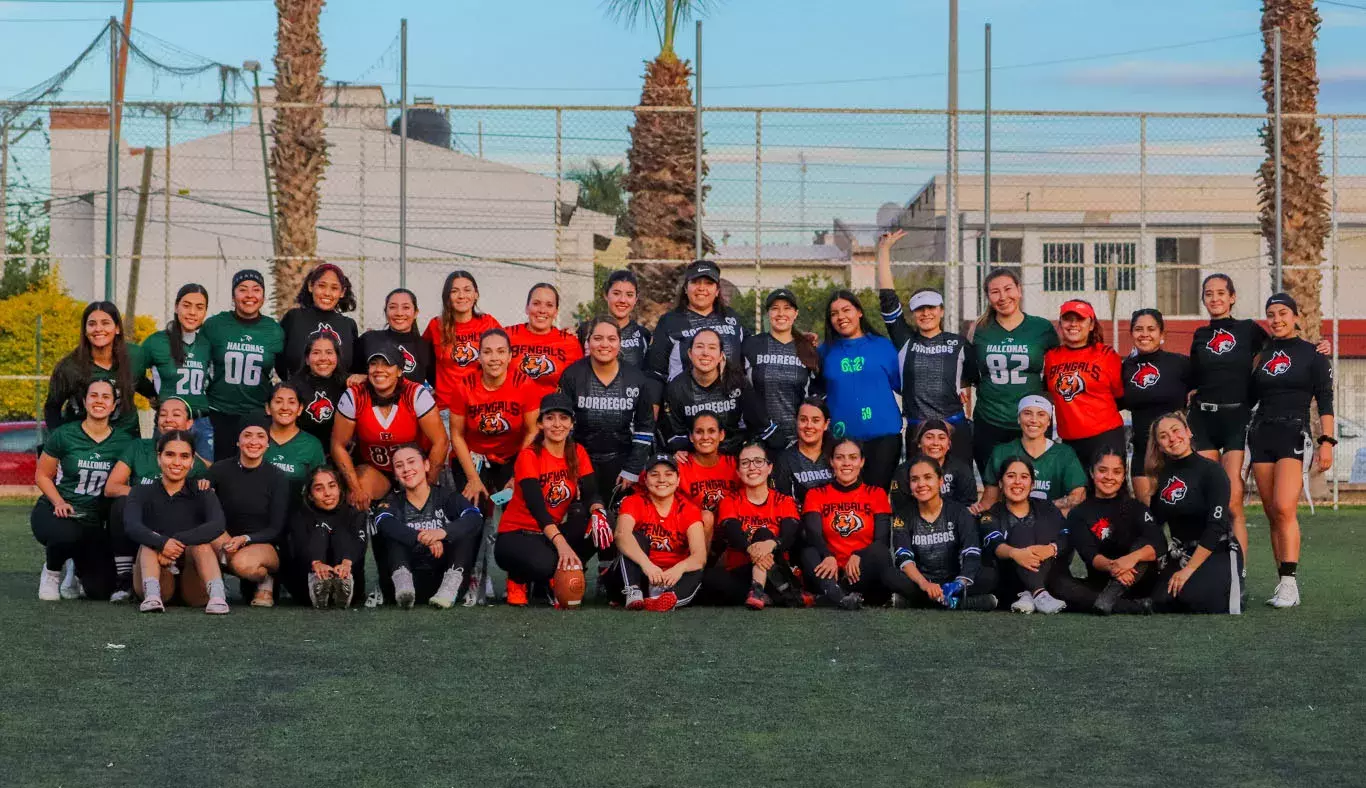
299	155
1304	216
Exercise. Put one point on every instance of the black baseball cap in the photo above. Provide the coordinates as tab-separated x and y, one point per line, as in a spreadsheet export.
557	401
700	268
662	459
388	351
781	294
1283	299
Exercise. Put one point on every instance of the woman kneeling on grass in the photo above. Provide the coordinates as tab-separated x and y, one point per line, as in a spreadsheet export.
329	539
662	542
938	554
1023	535
176	524
846	526
255	499
430	533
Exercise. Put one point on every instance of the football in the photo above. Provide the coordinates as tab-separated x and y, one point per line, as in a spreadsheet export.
569	587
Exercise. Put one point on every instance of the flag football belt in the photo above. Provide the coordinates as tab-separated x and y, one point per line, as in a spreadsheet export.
1297	422
1214	407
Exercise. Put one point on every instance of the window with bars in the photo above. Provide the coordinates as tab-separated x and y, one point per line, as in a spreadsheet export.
1119	259
1064	267
1178	276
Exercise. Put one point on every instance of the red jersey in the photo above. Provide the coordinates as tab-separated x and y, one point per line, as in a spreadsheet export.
847	516
458	360
377	434
1085	385
557	488
706	487
542	358
494	419
753	517
668	534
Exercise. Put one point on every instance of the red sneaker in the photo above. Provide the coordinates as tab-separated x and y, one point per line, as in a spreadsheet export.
516	593
663	603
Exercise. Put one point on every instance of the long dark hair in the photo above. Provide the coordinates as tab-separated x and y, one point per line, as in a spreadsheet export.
410	294
174	332
805	346
1095	336
601	320
819	404
681	303
308	488
543	286
172	436
1102	453
447	313
1228	280
74	372
846	295
338	375
1155	314
731	377
571	451
347	302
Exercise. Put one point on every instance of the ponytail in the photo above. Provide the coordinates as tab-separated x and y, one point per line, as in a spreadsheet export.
174	332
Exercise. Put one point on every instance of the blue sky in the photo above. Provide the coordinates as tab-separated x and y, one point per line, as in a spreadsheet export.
874	53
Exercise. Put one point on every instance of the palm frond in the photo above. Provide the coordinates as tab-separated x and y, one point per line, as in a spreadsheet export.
633	13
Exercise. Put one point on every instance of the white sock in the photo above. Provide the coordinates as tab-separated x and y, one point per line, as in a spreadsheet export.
268	584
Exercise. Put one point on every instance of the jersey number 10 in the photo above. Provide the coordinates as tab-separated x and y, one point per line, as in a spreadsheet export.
1007	369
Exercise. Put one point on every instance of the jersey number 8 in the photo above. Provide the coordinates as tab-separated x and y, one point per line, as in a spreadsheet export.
1007	369
379	456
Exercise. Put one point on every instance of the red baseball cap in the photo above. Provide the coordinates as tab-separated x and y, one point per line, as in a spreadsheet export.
1078	307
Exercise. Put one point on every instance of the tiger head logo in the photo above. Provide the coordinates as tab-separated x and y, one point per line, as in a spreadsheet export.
1174	491
321	408
493	424
1146	376
558	493
1222	342
847	523
409	361
463	354
712	500
1070	384
661	543
536	365
1278	364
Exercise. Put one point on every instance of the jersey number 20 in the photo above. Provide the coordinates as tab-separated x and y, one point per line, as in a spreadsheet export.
1006	369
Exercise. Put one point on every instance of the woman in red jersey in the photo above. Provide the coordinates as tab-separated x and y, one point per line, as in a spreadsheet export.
1084	381
491	421
541	351
847	525
454	336
705	476
663	547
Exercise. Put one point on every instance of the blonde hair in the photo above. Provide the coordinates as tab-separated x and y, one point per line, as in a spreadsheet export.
990	313
1156	459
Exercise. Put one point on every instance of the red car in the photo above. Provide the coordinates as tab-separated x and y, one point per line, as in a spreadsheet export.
20	445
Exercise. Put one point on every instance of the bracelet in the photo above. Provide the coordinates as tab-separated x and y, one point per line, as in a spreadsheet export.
1328	439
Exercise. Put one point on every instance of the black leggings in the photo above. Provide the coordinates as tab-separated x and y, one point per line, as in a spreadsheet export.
630	574
984	584
84	542
875	568
529	557
985	438
427	570
1086	448
1080	593
1216	587
880	458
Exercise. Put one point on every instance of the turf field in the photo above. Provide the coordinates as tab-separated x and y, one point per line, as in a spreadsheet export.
96	695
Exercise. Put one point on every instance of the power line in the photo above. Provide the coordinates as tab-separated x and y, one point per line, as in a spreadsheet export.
1343	5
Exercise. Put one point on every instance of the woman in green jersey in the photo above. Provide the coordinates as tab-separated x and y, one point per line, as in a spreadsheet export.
291	449
1007	351
178	357
69	519
1058	475
103	353
243	344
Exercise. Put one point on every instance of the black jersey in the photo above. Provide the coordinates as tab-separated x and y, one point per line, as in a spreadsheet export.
933	369
1288	374
635	340
1155	384
1042	524
615	421
255	500
795	474
318	397
780	378
419	364
739	408
958	484
944	549
1221	360
398	519
302	322
674	332
1191	499
1112	527
329	536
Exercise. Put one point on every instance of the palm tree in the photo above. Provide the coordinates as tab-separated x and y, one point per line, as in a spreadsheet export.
601	190
1304	212
661	176
299	155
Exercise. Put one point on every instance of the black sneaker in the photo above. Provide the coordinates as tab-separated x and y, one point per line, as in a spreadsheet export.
852	601
1109	596
981	603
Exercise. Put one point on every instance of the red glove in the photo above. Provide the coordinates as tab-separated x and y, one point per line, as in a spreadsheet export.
600	529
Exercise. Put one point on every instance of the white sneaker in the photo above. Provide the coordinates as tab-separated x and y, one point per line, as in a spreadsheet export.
1025	604
71	585
1287	593
374	599
121	596
50	585
404	593
217	606
635	600
444	597
1048	604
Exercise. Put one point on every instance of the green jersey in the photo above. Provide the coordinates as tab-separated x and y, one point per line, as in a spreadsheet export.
1057	471
187	379
141	459
84	465
242	353
1009	367
297	457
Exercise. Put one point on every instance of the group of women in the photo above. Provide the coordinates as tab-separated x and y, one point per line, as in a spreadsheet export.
699	462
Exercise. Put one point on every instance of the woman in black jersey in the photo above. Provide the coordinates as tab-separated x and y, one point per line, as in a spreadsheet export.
1287	376
700	305
1118	541
1156	381
323	299
934	439
936	365
1202	572
712	382
806	465
255	498
621	293
400	330
103	353
783	364
936	548
329	537
1022	537
320	384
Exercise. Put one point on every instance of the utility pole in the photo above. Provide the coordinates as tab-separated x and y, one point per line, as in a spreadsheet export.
987	257
403	155
697	151
111	186
951	166
254	67
1280	217
139	229
123	62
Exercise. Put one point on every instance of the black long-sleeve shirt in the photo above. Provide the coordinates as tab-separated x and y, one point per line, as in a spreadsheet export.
400	520
1112	527
1288	374
958	484
419	360
1191	499
1221	360
255	500
613	422
152	516
535	498
933	369
943	549
794	473
781	380
299	324
1042	525
329	536
740	410
1155	384
667	356
318	398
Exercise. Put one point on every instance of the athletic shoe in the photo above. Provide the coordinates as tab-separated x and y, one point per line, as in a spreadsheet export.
120	596
1287	593
1109	597
634	599
852	601
374	599
476	588
981	603
900	602
805	599
831	592
1135	607
152	604
516	593
263	597
757	599
1048	604
343	588
663	603
1025	604
444	597
71	585
50	585
404	593
218	606
319	591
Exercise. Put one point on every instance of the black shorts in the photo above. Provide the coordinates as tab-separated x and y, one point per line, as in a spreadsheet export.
1269	441
1220	430
1087	448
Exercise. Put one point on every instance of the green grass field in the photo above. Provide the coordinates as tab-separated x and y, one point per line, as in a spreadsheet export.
497	696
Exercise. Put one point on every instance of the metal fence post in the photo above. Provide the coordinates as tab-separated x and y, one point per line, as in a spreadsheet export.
1280	220
697	150
951	164
758	214
1146	264
38	370
986	157
166	218
403	156
111	166
559	186
1333	257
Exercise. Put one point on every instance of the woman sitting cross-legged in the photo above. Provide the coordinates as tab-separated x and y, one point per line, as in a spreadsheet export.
1023	536
846	525
937	552
329	538
662	543
176	524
